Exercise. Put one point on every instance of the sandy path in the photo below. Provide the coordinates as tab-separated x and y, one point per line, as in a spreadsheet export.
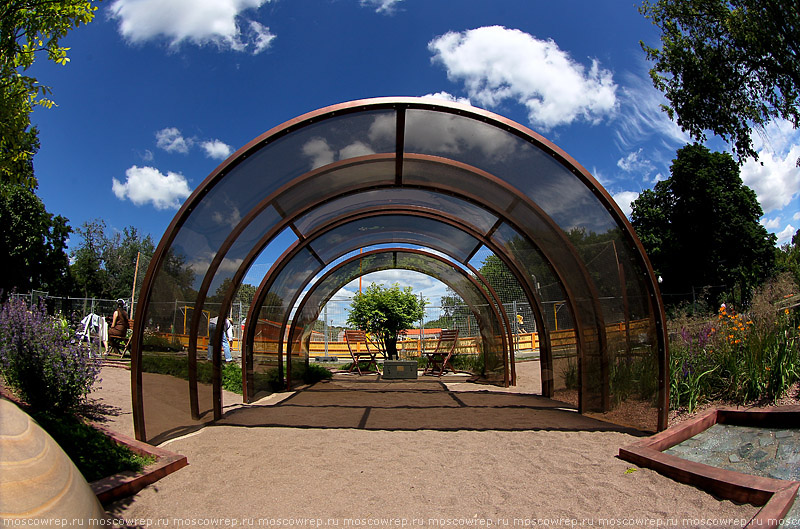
277	476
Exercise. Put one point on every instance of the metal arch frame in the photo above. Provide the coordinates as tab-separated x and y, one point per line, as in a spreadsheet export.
287	221
479	282
489	295
281	263
399	105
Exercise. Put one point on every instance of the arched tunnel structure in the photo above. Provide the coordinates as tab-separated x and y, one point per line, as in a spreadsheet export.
422	174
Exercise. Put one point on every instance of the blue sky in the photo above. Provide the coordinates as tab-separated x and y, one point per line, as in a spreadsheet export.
158	93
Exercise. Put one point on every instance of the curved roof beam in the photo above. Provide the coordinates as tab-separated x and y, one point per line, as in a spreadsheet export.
315	263
402	126
472	290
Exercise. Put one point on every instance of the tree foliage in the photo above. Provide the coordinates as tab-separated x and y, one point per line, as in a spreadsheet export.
789	257
727	66
700	227
104	265
385	312
32	243
28	28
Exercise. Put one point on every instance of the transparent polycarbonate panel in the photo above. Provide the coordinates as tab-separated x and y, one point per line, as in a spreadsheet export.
252	180
451	206
249	239
480	346
534	172
438	174
390	229
320	292
556	311
484	350
330	182
275	305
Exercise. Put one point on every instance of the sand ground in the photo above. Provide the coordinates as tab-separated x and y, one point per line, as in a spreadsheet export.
241	473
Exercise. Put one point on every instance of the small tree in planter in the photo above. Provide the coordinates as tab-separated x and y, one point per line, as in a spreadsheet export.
386	312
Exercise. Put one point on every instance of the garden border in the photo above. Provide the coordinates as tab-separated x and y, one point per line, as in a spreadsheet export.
775	496
128	483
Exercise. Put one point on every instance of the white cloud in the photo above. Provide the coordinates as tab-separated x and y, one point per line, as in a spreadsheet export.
319	151
641	117
262	37
634	162
218	22
496	64
355	149
775	177
381	6
216	149
796	216
171	140
786	234
624	199
659	177
446	96
771	224
148	184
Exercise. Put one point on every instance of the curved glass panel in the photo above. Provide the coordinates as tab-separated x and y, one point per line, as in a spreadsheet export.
390	229
535	173
566	222
481	350
454	207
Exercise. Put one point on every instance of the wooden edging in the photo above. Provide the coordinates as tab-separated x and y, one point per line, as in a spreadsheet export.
774	495
128	483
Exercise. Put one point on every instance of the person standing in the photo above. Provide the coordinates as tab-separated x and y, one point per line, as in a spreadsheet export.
227	338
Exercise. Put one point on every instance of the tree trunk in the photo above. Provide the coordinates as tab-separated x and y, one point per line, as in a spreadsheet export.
391	348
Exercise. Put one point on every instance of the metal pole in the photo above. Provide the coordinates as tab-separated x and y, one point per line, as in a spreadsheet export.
135	274
421	328
325	317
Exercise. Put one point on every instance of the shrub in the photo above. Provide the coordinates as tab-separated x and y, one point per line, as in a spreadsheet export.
314	373
95	455
39	363
154	342
736	357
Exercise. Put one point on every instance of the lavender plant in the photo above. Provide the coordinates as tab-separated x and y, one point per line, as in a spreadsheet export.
38	362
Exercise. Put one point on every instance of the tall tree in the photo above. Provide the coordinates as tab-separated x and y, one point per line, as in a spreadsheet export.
727	66
28	28
88	270
789	257
120	254
32	243
104	266
700	227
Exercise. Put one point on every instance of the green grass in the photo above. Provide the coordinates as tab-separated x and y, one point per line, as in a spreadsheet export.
95	455
231	376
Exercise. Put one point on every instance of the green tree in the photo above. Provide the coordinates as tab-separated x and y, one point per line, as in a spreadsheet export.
104	266
32	243
88	270
502	280
28	28
386	312
120	253
700	227
789	257
727	66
